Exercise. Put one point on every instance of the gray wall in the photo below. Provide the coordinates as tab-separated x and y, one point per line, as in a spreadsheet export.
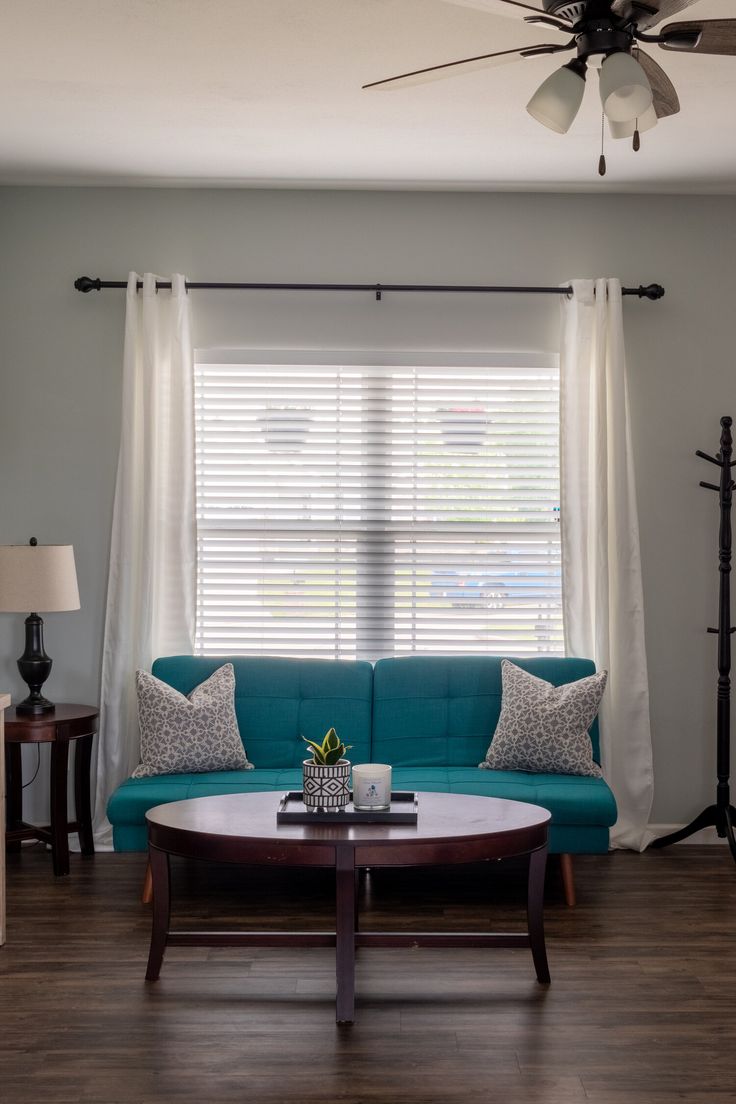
61	361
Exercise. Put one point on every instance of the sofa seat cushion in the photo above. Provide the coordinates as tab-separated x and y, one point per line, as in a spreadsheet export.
131	801
571	799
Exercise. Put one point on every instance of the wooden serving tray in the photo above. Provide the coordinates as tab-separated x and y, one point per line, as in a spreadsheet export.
404	810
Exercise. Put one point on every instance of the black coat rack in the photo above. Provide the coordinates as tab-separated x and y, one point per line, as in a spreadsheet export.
722	815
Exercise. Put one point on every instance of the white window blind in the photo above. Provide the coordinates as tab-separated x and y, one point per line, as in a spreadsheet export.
356	511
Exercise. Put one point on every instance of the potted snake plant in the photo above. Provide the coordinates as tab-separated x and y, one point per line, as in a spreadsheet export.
326	776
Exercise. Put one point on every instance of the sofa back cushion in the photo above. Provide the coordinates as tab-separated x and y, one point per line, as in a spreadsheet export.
442	710
279	700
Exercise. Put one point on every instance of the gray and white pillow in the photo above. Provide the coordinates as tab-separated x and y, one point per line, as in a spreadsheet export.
194	734
544	728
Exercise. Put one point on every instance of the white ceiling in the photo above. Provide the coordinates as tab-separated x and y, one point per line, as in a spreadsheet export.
267	92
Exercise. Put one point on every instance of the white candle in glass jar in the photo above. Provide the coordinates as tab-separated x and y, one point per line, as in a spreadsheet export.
372	786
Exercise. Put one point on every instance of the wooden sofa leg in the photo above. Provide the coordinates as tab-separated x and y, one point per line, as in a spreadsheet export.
568	879
147	892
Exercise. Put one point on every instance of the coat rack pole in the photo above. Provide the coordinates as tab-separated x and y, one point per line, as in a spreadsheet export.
722	815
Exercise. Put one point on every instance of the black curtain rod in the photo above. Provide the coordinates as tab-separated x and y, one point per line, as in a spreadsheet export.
86	283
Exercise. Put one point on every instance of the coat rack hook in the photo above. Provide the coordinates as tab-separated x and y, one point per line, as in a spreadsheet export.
711	459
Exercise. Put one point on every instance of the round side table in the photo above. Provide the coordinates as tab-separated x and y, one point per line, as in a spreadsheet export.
67	724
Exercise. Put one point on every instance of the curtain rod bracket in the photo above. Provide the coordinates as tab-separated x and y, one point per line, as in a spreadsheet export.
378	293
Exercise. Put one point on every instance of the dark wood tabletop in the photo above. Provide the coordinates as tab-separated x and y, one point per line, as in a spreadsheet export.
242	828
66	721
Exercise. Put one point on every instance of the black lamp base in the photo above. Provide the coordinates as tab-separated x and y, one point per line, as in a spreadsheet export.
32	706
35	667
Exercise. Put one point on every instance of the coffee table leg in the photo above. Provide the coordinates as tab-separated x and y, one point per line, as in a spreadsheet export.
535	913
161	911
345	934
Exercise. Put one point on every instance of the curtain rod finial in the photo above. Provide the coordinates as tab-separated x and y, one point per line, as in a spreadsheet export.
86	283
652	291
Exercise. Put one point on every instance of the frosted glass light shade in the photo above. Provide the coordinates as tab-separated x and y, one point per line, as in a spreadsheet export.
643	123
625	89
37	578
557	100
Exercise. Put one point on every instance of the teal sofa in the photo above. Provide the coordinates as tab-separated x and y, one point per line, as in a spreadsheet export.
430	717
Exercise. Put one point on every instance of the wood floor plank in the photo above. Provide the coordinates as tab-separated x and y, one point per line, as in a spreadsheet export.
640	1010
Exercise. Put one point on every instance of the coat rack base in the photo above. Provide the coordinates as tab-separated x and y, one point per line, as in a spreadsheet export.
720	817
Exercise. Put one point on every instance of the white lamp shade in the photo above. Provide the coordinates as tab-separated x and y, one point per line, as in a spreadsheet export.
625	89
557	100
37	578
643	123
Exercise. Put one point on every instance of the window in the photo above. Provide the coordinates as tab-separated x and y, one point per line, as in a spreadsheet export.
354	511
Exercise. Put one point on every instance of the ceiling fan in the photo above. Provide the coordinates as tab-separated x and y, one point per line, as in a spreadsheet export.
606	35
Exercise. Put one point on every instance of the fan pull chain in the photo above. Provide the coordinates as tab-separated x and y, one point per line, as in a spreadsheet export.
637	138
602	159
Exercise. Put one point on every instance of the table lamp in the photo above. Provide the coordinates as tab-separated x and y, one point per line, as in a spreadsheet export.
36	577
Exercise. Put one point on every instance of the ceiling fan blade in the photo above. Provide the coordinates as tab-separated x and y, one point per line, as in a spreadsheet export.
665	97
648	13
506	8
466	65
715	36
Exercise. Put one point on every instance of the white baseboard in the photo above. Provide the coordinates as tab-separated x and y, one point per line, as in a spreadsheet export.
705	835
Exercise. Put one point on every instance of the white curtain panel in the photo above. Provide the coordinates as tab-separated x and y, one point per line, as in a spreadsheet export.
151	585
601	569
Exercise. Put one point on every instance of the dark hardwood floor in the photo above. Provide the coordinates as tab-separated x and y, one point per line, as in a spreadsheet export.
640	1010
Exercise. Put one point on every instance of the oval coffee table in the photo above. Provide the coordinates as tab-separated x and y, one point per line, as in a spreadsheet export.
452	828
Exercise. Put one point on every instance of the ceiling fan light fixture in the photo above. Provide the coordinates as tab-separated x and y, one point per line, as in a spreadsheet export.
557	100
642	124
625	89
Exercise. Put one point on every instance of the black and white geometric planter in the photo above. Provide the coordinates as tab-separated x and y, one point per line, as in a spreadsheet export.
326	788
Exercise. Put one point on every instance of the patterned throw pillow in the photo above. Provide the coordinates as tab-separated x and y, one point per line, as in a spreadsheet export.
544	728
194	734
